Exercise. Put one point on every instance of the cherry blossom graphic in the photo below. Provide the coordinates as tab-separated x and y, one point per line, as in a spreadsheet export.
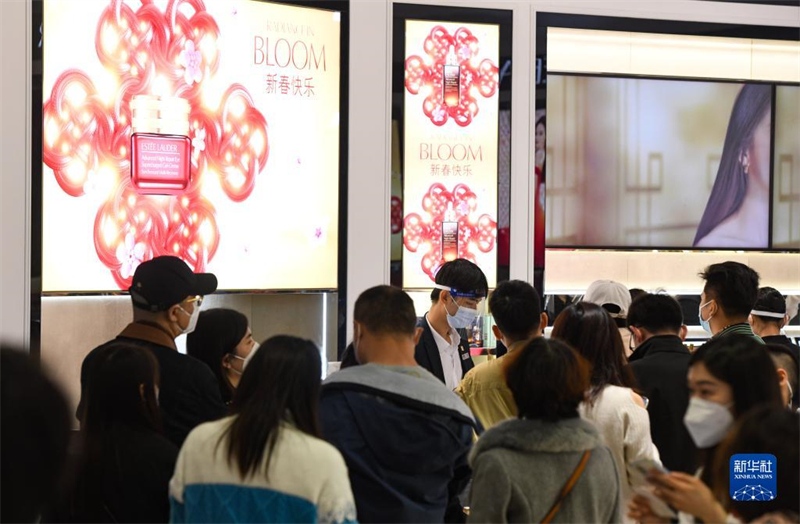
157	49
425	75
191	60
198	143
130	254
423	232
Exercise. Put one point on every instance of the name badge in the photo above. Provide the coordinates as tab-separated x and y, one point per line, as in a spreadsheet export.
464	356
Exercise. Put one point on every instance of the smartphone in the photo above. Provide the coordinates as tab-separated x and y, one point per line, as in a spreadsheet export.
658	506
646	465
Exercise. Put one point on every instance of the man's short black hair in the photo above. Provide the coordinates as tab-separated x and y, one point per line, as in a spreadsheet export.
785	359
461	275
656	313
386	310
733	285
770	300
516	308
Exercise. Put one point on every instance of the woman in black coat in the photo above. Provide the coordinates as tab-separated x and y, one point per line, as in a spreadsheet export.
126	463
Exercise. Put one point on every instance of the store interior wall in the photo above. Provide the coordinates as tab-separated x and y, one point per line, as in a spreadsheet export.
72	326
15	95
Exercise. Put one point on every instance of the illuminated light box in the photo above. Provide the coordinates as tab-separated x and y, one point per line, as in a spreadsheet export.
450	148
208	131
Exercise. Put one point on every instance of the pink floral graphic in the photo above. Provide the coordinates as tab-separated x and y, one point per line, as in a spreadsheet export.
426	75
151	48
424	231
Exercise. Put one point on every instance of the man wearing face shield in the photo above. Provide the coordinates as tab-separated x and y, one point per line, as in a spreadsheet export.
166	297
443	349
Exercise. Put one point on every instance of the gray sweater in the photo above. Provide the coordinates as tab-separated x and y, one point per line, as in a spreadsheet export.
520	466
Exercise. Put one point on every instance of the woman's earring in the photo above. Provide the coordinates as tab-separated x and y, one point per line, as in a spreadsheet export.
745	161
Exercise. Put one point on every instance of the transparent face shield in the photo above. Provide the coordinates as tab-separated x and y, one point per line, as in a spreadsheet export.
478	324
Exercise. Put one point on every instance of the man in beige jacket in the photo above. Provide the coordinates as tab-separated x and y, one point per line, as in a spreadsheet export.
518	316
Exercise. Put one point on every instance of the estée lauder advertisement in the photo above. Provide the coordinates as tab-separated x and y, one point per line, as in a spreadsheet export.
450	148
205	130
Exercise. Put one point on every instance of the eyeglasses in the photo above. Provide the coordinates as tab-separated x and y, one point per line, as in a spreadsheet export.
196	298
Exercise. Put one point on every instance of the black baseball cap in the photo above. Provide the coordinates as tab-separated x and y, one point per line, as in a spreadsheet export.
162	282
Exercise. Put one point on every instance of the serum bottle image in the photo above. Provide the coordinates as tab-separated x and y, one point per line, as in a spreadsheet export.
451	80
160	146
449	234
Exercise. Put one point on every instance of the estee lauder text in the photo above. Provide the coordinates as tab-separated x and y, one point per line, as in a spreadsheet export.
163	148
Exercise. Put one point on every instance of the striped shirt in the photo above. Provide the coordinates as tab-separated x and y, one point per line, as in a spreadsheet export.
742	328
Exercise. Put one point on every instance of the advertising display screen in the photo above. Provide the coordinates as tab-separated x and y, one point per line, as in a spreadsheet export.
646	163
450	132
204	130
786	177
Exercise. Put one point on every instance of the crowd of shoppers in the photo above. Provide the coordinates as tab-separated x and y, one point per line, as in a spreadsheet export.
578	426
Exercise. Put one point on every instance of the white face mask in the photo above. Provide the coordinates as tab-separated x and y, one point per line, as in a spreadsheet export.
463	318
707	422
246	359
193	316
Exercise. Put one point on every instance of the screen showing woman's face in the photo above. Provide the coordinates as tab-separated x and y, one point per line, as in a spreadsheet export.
539	141
759	153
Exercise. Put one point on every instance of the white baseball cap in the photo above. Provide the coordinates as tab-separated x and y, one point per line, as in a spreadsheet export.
609	292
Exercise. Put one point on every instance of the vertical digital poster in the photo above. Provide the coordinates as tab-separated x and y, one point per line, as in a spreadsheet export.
450	131
204	130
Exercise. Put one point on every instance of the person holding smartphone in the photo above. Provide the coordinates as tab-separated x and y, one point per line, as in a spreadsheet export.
727	377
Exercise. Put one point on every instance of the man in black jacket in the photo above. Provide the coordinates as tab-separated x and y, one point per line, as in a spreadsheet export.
769	316
443	348
660	364
166	297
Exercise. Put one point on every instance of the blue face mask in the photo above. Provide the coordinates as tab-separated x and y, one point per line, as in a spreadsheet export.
705	323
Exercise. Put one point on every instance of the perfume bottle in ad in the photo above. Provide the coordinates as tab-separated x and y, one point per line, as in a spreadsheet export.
451	80
161	151
449	234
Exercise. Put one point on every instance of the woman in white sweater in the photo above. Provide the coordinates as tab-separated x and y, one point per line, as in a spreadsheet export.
266	462
615	408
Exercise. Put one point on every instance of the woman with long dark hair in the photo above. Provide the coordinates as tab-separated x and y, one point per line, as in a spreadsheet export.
265	462
615	408
126	461
737	212
223	340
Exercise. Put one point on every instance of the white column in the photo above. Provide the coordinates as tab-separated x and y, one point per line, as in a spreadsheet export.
15	172
523	123
369	153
